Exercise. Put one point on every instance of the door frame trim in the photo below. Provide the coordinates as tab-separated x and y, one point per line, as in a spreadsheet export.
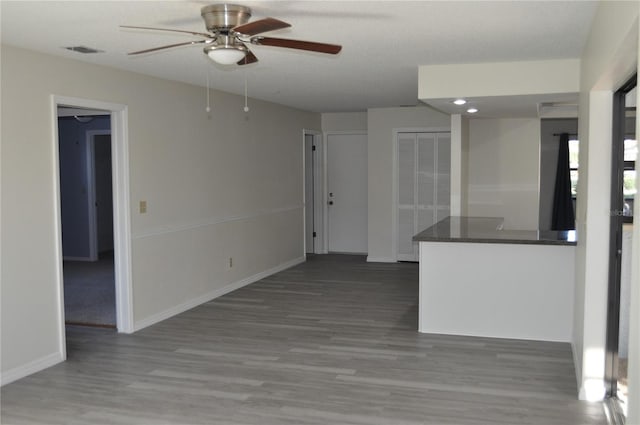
318	188
616	223
121	211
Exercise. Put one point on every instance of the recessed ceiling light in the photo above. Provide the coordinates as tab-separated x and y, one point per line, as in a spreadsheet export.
472	110
459	101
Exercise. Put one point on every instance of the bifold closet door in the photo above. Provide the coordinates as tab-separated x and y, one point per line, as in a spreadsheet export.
426	179
423	192
406	196
443	177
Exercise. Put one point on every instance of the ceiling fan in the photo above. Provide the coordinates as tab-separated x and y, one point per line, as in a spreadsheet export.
230	31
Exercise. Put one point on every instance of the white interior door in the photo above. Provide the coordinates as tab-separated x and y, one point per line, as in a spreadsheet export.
347	192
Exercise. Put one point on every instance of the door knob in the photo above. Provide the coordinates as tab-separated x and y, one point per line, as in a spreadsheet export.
330	202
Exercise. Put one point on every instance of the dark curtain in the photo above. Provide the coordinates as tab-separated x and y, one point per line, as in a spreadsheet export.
563	216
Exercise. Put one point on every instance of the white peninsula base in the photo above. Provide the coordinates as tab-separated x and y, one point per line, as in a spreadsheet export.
521	291
479	279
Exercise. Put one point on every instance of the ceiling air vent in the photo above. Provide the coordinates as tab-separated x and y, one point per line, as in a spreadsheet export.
83	49
557	110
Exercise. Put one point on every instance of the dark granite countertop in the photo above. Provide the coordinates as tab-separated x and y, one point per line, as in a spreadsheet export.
489	230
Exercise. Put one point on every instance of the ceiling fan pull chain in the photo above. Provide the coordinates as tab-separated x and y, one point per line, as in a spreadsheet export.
246	106
208	108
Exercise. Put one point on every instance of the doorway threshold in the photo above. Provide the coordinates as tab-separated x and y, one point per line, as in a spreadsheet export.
91	325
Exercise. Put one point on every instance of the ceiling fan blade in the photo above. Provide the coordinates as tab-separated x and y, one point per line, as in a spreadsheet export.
201	34
260	26
331	49
249	58
187	43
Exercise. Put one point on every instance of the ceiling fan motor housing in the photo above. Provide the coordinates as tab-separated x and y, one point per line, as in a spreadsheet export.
224	16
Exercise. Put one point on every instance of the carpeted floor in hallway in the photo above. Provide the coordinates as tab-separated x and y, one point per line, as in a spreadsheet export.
89	291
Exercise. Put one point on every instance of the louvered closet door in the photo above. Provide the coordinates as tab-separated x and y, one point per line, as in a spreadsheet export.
406	195
423	186
426	177
443	179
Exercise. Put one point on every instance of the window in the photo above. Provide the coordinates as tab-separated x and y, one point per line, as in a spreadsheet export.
629	188
629	184
574	145
630	156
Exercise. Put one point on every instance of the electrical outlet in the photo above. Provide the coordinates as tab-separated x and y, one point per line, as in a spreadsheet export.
143	207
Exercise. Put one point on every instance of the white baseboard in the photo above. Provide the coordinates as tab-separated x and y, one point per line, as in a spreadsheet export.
31	367
371	259
181	308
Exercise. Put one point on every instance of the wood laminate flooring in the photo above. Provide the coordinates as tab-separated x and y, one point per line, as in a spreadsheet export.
331	341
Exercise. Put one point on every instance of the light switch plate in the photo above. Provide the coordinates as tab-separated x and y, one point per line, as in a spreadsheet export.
143	207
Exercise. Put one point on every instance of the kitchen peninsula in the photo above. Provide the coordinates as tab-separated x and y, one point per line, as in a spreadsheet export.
479	279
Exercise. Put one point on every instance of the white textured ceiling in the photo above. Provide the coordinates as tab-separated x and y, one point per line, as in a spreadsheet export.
384	42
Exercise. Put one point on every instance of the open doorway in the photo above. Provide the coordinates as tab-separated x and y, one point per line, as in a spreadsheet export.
623	192
104	149
86	204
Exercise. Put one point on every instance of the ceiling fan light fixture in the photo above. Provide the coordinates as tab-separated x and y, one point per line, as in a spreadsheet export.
226	54
229	29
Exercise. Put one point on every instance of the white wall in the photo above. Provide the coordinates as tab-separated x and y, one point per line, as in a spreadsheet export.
344	121
502	167
218	186
381	123
450	81
609	59
459	167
